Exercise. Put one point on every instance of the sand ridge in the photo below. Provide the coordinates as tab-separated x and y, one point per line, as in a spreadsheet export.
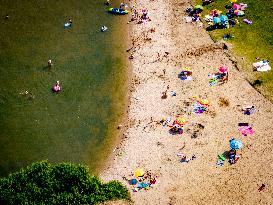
150	145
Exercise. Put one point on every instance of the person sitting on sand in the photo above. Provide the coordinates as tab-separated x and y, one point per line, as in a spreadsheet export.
131	56
224	77
183	158
153	180
248	110
164	96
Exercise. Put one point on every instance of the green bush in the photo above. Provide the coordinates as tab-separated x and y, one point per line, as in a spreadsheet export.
44	183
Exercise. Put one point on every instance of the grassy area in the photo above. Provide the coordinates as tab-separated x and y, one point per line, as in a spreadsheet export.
250	41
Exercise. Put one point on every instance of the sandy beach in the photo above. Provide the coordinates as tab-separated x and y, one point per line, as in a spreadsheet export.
147	144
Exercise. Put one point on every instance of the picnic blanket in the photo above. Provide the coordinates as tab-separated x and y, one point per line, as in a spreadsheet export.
262	66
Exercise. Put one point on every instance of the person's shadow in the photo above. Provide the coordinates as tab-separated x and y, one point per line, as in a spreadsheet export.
211	28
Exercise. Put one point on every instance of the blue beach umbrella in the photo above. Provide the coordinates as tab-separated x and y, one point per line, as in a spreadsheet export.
235	144
216	20
133	182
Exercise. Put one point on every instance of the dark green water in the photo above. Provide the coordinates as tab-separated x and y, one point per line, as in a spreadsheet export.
76	124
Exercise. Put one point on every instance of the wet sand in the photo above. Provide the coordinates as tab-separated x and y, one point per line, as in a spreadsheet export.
149	145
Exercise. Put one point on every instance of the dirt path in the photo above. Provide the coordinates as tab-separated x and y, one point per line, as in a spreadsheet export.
150	145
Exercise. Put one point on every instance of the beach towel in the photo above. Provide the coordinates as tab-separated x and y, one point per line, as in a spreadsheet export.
220	163
250	111
246	130
188	19
198	108
262	66
208	18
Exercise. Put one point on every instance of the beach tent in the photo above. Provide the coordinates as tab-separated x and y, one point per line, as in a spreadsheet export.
139	172
216	20
235	144
223	19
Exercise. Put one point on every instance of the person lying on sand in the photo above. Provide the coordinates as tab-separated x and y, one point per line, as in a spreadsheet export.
261	188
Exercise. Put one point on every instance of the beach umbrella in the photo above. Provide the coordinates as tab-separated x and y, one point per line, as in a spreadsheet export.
180	121
216	20
186	69
198	7
223	69
204	102
139	172
235	144
133	182
223	18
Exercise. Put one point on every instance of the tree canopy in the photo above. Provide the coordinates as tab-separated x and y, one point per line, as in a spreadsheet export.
65	183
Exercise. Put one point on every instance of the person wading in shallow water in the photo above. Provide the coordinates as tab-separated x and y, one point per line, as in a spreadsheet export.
107	3
49	63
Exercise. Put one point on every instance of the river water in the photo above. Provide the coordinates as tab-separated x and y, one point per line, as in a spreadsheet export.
78	124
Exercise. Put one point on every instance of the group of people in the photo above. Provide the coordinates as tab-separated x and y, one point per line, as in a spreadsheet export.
140	17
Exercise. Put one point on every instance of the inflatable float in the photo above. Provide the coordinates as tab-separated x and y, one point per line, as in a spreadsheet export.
103	28
56	88
118	11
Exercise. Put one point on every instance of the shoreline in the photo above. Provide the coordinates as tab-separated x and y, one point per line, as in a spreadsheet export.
119	132
150	146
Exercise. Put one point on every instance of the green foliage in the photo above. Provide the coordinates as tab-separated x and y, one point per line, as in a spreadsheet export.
250	40
43	183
